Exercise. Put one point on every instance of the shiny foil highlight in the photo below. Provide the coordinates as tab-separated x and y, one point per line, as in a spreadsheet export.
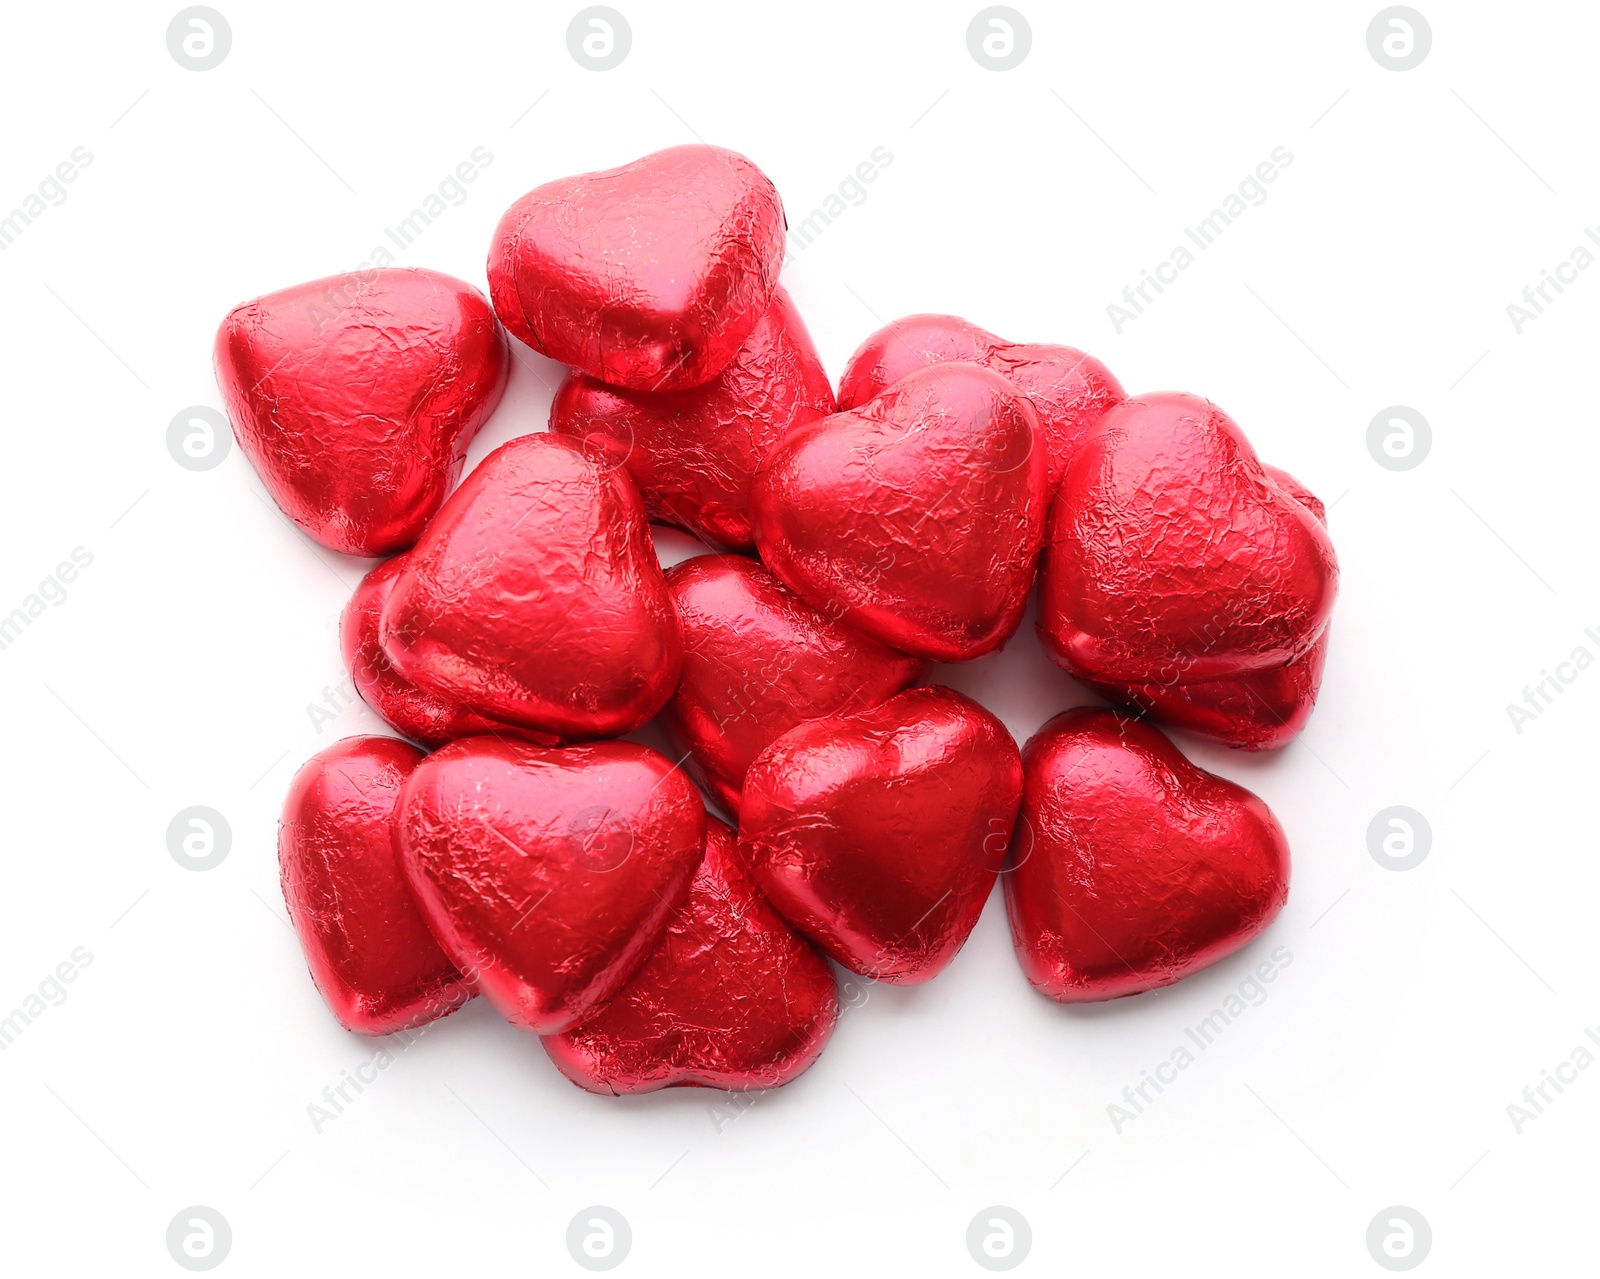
355	398
1132	868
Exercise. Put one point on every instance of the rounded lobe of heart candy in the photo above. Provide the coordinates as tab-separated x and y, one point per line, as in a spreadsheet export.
1263	710
370	953
649	276
1133	867
757	661
694	453
916	518
355	398
731	997
905	345
548	875
1174	557
1299	492
536	597
422	717
878	834
1069	389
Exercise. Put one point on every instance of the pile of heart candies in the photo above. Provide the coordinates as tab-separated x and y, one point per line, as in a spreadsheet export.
512	843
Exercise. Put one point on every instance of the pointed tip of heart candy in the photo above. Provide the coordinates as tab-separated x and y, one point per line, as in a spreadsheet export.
731	997
879	833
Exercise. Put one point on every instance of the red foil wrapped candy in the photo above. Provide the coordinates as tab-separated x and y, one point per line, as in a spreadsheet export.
1174	557
536	598
731	997
649	276
548	875
355	398
370	953
1069	389
1259	711
757	661
694	453
915	518
879	834
1133	867
423	717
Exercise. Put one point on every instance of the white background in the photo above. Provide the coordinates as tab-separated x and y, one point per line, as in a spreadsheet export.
180	667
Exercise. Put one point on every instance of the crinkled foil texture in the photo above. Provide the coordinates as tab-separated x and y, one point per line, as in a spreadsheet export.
731	997
424	718
757	661
1069	390
1132	867
536	597
1174	557
355	398
1259	711
649	276
916	518
694	452
370	953
879	833
548	875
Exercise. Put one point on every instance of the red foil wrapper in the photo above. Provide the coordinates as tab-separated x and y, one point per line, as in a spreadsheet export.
1069	390
694	453
1299	492
757	661
536	598
731	997
650	276
370	953
1259	711
424	718
1133	868
355	398
1174	557
916	518
879	834
548	875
